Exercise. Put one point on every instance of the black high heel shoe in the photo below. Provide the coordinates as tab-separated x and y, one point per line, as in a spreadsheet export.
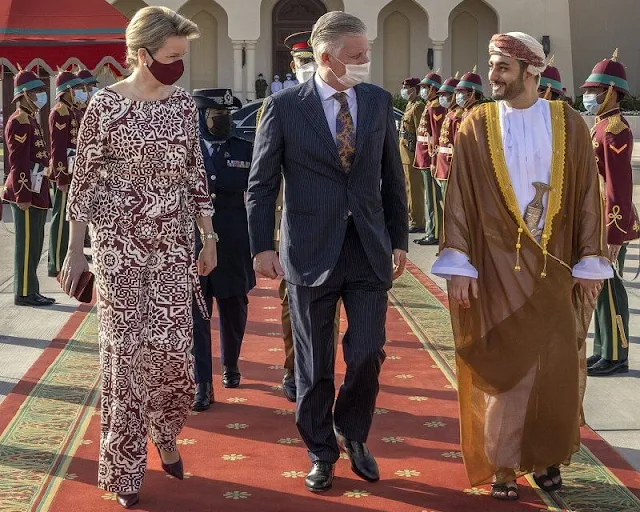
128	500
176	469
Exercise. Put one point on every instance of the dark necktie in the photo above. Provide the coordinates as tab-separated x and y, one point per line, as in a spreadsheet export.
345	132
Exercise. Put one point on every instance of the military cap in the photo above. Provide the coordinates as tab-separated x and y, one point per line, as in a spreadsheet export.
449	85
25	81
217	99
299	44
64	81
432	80
411	82
87	77
470	82
550	78
609	72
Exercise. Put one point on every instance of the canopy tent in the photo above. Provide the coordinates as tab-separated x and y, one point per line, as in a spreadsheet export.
48	35
60	33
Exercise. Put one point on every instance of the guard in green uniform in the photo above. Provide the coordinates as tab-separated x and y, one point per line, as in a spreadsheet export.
427	137
613	144
27	186
408	141
64	121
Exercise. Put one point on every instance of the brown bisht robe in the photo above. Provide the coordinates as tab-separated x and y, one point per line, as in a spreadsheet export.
520	347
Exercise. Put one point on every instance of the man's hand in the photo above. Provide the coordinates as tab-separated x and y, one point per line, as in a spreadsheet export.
24	206
267	264
459	287
590	288
614	250
399	262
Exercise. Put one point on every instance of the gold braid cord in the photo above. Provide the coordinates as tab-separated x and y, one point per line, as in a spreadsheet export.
259	115
554	204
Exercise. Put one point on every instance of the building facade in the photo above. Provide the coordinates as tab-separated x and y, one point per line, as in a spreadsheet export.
241	38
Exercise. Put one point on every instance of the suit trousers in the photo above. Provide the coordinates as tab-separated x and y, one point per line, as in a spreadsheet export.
287	334
59	234
232	314
313	311
29	228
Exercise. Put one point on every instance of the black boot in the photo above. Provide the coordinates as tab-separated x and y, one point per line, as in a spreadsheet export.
204	396
605	367
230	377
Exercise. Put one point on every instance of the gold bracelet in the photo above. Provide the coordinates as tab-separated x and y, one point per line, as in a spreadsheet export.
209	235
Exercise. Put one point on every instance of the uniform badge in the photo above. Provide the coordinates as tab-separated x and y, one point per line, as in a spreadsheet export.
618	150
437	117
238	164
228	98
227	154
20	139
61	126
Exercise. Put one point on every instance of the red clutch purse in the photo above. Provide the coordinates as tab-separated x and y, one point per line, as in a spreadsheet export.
84	290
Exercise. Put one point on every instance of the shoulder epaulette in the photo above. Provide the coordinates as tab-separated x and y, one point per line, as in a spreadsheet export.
62	109
435	103
615	125
22	117
259	114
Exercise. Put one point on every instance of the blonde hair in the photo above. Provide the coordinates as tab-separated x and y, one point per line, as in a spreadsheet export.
151	27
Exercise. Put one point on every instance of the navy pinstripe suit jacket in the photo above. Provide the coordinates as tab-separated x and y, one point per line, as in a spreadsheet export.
294	141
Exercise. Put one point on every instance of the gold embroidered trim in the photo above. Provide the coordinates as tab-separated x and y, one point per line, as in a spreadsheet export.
615	216
616	125
494	138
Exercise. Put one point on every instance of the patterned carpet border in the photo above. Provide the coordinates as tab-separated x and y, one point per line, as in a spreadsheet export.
590	486
37	445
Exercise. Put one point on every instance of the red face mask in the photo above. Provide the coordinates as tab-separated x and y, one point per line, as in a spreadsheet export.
167	74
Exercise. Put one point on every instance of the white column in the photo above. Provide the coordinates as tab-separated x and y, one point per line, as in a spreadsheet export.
251	70
438	47
237	69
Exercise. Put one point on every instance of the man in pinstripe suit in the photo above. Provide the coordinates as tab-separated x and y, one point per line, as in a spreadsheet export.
344	234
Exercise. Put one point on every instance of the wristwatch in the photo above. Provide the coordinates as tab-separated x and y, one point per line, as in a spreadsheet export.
209	235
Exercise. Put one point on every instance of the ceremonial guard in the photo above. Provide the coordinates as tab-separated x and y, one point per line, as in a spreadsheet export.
469	93
427	138
227	159
550	87
27	186
64	122
304	66
613	144
446	97
408	141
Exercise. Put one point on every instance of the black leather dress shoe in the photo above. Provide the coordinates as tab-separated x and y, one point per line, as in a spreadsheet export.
48	299
416	229
289	385
175	469
204	396
320	477
426	241
230	377
591	360
128	500
34	299
606	367
362	462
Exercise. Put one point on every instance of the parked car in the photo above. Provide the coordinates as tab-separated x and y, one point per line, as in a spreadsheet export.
245	119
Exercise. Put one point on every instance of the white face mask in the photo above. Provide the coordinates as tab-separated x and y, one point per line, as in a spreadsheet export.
306	72
404	94
355	73
444	101
460	99
41	100
424	93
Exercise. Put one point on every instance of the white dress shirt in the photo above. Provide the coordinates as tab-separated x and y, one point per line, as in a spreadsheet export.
331	105
527	143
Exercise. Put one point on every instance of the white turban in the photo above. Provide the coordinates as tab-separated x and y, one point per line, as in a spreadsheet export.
520	46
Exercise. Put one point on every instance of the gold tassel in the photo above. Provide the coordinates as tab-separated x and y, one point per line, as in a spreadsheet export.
545	239
518	247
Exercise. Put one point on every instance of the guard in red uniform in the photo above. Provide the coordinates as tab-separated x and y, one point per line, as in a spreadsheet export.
613	144
27	186
64	122
446	97
468	93
550	87
427	136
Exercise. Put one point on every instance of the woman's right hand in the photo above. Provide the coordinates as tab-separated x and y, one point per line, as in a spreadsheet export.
74	265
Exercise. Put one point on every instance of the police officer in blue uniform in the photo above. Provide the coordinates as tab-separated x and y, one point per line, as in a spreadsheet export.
227	159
